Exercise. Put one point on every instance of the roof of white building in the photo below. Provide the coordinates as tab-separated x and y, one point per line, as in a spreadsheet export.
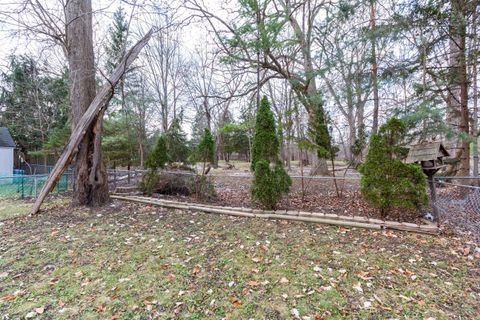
6	139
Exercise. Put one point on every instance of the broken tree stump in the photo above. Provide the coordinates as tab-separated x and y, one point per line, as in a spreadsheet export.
98	105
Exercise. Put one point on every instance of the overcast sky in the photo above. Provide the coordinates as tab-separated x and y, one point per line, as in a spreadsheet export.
192	34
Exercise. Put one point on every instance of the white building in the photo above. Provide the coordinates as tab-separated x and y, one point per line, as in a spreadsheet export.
7	145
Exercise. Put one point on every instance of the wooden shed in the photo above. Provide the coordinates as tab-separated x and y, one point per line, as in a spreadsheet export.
429	155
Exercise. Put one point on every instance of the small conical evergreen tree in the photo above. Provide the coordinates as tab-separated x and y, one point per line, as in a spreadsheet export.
176	142
318	130
269	183
265	143
159	155
387	181
206	149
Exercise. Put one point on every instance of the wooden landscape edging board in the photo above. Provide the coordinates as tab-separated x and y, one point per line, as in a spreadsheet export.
315	217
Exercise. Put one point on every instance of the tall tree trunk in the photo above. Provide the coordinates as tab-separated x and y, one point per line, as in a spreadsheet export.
376	103
90	182
309	95
457	103
475	94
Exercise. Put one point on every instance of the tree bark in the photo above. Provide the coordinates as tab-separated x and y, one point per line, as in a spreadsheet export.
376	103
457	100
475	95
90	177
89	118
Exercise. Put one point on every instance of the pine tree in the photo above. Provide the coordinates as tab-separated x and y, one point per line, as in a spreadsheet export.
26	92
318	131
159	155
206	149
268	184
176	142
265	145
386	181
118	39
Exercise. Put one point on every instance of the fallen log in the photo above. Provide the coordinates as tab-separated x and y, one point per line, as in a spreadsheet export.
343	221
98	105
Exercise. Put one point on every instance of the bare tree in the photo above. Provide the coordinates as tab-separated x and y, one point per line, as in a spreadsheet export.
293	62
166	69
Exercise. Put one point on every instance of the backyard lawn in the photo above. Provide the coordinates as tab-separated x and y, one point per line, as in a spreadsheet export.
129	261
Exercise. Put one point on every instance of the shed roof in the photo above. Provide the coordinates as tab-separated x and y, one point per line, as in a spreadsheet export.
426	151
6	140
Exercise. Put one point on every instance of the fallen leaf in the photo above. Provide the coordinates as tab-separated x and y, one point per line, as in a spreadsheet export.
363	275
295	313
101	308
253	283
8	297
61	303
236	303
255	270
195	270
284	280
257	259
405	298
358	287
53	280
40	310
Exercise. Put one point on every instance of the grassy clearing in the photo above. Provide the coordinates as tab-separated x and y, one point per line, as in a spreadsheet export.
129	261
11	208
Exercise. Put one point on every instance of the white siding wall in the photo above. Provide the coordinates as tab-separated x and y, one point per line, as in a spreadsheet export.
6	161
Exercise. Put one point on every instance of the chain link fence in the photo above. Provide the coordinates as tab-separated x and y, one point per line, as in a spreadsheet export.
27	186
458	204
457	199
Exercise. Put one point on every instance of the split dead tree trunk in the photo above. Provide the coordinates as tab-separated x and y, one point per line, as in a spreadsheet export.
87	124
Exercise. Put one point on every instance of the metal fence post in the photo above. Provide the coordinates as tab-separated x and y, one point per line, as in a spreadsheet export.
434	200
23	182
115	179
35	186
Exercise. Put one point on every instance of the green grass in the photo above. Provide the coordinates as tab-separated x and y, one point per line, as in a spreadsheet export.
11	208
135	262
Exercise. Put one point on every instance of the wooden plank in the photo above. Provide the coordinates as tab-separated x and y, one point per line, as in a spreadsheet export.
290	215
